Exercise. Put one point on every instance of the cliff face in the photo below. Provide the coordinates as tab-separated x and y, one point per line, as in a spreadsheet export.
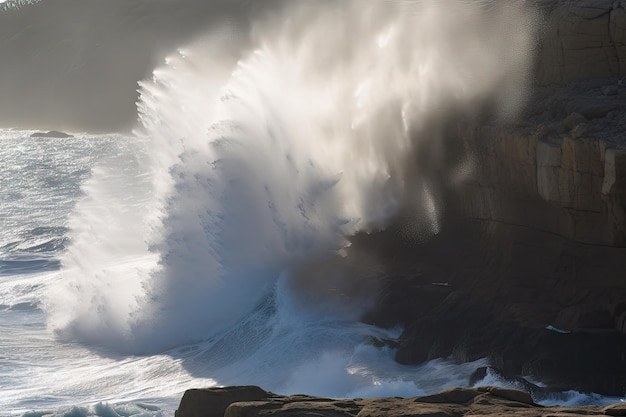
560	183
582	39
533	244
572	151
562	169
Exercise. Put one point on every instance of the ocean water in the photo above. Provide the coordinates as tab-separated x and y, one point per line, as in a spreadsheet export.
207	248
64	248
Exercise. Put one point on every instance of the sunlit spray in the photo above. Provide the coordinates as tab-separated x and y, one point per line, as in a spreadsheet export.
269	149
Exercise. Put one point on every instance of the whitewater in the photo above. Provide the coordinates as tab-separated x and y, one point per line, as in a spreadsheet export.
211	246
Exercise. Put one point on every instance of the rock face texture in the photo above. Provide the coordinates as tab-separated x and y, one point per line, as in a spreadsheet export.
236	402
583	39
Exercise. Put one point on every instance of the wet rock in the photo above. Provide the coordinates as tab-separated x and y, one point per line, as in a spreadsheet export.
513	395
213	402
618	409
295	406
454	395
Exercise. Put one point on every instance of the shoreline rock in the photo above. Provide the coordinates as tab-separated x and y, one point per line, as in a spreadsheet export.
252	401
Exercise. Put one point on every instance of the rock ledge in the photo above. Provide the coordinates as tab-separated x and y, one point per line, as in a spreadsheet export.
252	401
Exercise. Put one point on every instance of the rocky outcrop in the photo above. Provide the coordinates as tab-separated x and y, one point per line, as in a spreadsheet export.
533	303
452	403
213	402
532	249
533	242
550	179
51	134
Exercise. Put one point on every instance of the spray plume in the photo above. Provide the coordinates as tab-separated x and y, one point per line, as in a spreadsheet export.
268	149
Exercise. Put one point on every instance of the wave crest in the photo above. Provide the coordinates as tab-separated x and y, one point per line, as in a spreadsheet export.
263	159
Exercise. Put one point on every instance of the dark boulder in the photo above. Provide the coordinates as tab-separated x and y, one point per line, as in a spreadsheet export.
213	402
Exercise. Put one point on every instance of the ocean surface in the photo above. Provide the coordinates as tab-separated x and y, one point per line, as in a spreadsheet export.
70	209
207	248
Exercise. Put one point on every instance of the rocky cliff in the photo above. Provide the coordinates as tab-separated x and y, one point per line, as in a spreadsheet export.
532	248
529	266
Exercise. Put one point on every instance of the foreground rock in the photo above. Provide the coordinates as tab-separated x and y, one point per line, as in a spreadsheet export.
252	401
